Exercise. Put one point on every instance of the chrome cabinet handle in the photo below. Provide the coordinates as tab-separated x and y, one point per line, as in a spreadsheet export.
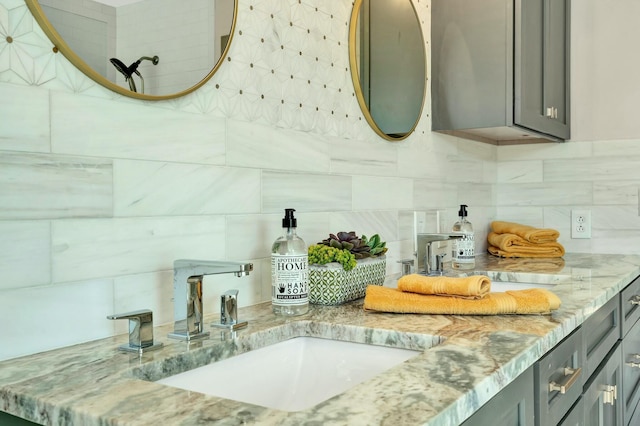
635	299
609	394
570	377
634	364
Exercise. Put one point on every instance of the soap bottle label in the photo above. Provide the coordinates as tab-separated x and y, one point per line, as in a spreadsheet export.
464	249
290	279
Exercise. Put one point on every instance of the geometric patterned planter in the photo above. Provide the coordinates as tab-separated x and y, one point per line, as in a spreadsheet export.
330	284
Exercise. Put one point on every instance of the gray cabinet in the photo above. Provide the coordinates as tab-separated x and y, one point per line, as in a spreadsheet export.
513	406
559	379
630	313
500	69
602	406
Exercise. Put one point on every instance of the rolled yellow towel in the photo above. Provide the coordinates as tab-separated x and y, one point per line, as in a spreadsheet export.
529	233
530	301
473	287
511	245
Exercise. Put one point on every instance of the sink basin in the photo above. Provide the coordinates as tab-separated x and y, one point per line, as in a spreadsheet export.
501	286
503	281
291	375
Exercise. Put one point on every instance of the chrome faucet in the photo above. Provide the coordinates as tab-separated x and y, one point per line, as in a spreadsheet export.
426	262
229	311
187	293
140	331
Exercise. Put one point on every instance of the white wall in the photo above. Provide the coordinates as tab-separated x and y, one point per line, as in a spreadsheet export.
100	193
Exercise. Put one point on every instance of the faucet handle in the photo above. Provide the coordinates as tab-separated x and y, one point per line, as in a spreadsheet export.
229	307
229	312
140	331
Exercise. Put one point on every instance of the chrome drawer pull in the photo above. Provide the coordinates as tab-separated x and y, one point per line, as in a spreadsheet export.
570	377
634	364
610	394
635	299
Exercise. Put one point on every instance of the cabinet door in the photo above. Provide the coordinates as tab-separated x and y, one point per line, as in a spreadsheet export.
602	405
601	332
631	372
513	406
630	302
541	66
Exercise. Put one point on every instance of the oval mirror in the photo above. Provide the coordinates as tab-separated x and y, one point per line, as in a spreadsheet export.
145	49
388	65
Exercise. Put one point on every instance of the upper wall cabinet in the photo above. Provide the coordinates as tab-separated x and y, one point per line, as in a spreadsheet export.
500	69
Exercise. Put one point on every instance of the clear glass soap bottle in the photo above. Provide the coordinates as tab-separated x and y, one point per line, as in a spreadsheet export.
463	250
289	270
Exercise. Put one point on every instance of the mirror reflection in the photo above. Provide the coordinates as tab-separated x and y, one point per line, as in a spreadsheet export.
388	65
141	48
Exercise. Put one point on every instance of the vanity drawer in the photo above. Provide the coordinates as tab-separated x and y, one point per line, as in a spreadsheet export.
601	332
559	379
630	301
631	372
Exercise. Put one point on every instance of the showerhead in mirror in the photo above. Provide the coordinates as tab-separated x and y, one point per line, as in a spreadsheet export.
128	71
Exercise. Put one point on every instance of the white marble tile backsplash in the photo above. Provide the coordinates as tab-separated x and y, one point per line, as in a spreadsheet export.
149	188
100	193
25	248
29	111
93	248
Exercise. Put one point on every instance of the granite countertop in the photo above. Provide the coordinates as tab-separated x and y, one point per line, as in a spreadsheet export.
466	359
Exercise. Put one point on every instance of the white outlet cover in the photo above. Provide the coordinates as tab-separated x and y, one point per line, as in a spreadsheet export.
580	224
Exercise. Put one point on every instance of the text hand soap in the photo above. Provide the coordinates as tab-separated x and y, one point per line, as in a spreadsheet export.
463	252
289	270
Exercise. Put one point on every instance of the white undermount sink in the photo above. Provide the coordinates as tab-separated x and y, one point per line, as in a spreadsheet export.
501	282
502	286
291	375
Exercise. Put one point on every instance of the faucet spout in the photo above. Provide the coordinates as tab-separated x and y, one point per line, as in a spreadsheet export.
426	263
187	293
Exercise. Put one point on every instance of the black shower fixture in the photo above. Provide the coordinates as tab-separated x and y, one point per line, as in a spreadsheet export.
128	71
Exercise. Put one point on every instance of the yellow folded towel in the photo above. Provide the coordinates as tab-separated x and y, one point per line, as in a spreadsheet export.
532	264
511	245
473	287
530	301
529	233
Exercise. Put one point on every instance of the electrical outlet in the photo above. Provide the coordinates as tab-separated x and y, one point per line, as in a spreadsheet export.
580	223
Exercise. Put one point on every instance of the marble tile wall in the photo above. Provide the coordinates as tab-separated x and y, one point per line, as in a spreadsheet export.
540	185
100	193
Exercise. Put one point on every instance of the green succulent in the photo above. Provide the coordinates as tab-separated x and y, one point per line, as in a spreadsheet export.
377	247
360	247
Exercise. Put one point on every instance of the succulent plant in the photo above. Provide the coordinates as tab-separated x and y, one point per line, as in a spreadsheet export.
359	247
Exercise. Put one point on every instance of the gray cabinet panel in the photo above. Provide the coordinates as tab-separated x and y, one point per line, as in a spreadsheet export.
559	379
630	351
601	404
498	66
601	332
630	301
631	372
575	416
513	406
542	66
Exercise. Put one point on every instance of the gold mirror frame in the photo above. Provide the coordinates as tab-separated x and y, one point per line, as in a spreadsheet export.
61	46
355	77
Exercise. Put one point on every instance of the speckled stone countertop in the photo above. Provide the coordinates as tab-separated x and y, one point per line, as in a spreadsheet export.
466	360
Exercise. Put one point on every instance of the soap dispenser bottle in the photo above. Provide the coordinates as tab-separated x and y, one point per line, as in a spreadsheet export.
289	270
463	249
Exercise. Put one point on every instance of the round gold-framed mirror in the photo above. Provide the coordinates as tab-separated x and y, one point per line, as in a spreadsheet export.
387	57
125	45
